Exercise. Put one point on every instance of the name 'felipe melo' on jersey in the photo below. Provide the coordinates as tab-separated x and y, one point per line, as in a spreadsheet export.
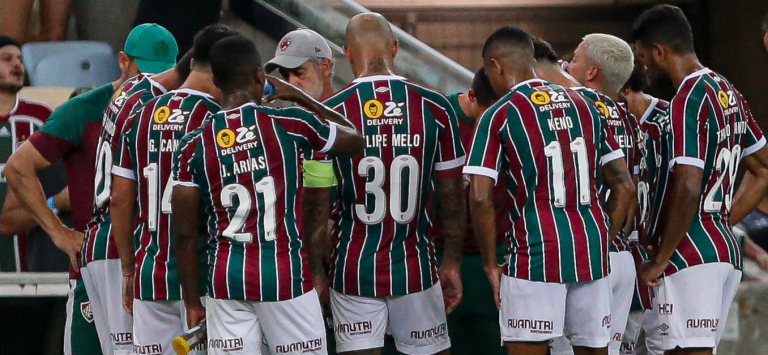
550	142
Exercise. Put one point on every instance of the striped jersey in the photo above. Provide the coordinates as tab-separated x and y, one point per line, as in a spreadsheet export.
711	127
643	295
146	156
649	149
99	242
412	140
624	128
550	141
245	161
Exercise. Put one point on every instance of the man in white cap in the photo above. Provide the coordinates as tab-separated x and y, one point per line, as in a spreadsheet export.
305	60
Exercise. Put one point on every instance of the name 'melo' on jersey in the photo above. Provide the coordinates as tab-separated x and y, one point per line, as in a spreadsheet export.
146	155
624	128
245	162
550	141
412	138
711	127
649	149
99	242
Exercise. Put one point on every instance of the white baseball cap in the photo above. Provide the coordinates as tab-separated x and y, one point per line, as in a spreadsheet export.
297	47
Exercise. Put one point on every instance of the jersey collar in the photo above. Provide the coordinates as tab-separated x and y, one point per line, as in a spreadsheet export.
193	92
529	81
367	79
647	113
696	74
15	106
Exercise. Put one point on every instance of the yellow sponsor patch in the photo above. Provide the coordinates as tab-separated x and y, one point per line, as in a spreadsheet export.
225	138
602	108
540	98
723	98
162	114
373	109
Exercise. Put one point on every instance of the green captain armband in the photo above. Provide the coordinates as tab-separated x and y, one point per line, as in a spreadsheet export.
318	174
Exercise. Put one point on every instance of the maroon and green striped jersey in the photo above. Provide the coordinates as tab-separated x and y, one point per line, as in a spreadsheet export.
550	141
649	149
624	128
412	140
711	127
642	298
245	161
99	243
145	155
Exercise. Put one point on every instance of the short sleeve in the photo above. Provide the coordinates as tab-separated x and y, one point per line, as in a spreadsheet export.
685	135
486	149
450	154
610	150
61	132
754	139
184	160
122	165
307	128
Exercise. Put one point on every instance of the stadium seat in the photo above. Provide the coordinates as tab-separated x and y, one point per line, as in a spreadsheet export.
76	69
35	52
52	96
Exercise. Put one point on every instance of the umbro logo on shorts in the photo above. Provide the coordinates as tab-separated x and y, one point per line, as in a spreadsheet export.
85	310
664	327
300	346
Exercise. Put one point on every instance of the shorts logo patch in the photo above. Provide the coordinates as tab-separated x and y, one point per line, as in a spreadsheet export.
305	346
358	328
664	327
702	324
536	326
86	311
607	322
231	344
665	308
121	338
153	349
440	331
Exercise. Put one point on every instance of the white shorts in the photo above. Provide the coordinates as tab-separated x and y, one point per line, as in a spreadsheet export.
622	279
416	321
641	336
693	305
293	326
156	324
103	280
540	311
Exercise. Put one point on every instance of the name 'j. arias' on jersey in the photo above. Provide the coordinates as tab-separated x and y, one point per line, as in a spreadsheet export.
712	128
412	140
146	156
550	142
99	242
245	162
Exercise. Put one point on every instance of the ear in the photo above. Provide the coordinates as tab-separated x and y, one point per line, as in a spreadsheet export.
660	52
496	66
592	73
123	60
471	96
395	49
346	53
327	67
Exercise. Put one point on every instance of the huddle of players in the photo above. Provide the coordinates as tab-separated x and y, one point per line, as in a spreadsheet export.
207	158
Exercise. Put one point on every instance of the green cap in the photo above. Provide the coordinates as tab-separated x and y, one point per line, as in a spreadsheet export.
153	48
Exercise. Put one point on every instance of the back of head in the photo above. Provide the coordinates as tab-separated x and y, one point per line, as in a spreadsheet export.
614	58
638	81
369	30
543	52
509	41
484	93
206	38
664	24
235	62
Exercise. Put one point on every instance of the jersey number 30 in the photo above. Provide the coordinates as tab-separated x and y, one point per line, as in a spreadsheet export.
400	165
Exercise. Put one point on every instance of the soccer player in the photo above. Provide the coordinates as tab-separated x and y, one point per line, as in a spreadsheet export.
242	167
474	325
548	68
642	334
305	59
384	277
142	172
553	145
709	131
101	266
602	64
72	134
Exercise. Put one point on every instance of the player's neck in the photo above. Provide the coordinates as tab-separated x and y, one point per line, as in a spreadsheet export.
235	99
202	82
7	102
465	105
681	66
375	65
556	75
327	88
601	88
638	102
517	76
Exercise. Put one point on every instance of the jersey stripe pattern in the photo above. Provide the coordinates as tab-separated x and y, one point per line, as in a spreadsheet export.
146	156
99	243
550	142
649	149
710	127
412	141
624	128
245	162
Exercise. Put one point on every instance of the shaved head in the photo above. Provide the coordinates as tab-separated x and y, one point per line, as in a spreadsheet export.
508	58
371	45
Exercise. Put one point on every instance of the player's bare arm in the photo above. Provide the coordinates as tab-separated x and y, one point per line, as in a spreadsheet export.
629	224
185	203
14	218
753	187
21	172
684	196
123	213
623	194
317	210
453	212
484	224
755	252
